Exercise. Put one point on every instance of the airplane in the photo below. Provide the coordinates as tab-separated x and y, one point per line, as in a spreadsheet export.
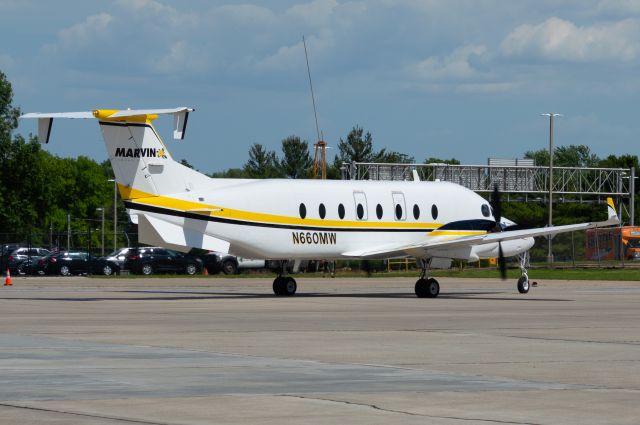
282	219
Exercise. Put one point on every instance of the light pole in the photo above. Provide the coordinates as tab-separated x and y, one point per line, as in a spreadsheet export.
102	210
551	115
115	214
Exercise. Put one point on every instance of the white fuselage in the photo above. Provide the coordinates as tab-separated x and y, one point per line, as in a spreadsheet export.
301	219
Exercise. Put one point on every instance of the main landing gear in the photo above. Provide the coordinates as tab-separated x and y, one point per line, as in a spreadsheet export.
523	281
426	287
284	285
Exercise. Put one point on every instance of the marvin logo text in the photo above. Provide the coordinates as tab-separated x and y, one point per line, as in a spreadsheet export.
140	153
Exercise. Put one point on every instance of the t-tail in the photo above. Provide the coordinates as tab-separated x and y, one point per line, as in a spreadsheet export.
141	162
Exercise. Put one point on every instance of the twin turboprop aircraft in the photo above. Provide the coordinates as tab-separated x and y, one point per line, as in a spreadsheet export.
279	219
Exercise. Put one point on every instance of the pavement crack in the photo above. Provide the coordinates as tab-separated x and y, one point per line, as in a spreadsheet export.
84	415
404	412
585	341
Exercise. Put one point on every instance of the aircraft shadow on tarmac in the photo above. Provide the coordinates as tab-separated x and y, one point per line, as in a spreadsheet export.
190	296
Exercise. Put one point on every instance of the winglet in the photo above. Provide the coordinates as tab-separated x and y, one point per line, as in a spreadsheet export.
611	212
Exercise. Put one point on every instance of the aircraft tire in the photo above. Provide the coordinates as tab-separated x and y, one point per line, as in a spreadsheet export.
278	285
284	286
523	284
427	288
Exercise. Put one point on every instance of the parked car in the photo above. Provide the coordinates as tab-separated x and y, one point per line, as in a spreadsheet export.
112	263
150	260
217	262
65	263
5	251
21	260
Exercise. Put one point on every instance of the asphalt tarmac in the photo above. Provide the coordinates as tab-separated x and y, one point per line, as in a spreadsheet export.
342	351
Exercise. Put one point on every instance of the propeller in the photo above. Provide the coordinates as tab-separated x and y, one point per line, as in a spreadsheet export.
496	208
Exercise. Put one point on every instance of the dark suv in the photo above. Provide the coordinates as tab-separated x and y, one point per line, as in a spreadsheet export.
149	260
21	260
65	263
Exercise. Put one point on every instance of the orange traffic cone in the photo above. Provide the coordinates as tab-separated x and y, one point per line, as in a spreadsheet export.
205	272
7	280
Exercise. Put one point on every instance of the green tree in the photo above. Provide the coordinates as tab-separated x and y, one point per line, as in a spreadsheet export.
394	157
358	147
262	163
565	156
296	161
432	160
231	173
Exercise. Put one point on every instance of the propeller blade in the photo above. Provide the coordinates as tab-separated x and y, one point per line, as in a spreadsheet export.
496	205
502	262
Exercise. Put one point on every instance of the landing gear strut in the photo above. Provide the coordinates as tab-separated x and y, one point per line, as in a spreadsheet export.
523	281
284	285
426	287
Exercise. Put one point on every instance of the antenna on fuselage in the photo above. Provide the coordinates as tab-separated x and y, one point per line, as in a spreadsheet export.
321	145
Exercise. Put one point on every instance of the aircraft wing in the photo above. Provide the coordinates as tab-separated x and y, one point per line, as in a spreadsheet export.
434	243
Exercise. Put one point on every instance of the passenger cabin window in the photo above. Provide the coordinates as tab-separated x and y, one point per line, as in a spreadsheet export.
303	211
434	212
360	200
379	211
399	212
416	211
341	211
399	206
322	211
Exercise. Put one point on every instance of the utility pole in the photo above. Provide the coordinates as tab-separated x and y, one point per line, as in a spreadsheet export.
115	214
102	210
68	232
551	116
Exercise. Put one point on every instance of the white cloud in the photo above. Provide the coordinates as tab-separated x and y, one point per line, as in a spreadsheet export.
454	66
167	14
559	39
248	13
314	13
180	57
292	56
85	33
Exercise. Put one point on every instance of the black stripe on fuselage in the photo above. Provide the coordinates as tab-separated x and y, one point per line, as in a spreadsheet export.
195	216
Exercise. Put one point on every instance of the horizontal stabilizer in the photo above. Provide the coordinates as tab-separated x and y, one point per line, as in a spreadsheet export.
45	119
156	231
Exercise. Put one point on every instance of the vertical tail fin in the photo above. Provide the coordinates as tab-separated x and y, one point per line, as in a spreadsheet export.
141	162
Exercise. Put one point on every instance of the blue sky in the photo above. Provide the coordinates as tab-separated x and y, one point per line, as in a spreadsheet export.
463	79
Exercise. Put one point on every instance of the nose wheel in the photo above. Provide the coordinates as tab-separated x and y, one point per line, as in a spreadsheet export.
523	281
523	284
284	286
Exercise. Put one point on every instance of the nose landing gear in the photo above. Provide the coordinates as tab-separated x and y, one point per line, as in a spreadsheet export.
523	281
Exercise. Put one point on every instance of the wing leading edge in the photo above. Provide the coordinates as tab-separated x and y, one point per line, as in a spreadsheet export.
444	242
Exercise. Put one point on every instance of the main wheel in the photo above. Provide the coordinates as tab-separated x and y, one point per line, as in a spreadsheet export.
523	284
427	288
290	286
284	285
